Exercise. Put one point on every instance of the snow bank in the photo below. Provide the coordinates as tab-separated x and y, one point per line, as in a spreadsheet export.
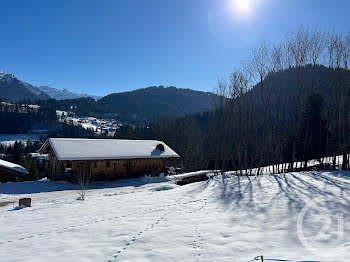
196	173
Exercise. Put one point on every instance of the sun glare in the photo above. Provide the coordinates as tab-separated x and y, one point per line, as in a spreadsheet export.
243	7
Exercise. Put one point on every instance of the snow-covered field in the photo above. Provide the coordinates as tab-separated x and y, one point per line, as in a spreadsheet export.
227	218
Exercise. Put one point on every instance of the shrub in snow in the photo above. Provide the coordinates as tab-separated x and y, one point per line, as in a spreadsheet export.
83	182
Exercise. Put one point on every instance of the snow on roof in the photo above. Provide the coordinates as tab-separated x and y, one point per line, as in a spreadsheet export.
98	149
12	166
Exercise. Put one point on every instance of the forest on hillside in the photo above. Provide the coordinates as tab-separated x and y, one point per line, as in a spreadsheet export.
287	102
22	118
138	107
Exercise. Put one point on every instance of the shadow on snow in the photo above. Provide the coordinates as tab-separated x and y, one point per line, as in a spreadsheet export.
32	187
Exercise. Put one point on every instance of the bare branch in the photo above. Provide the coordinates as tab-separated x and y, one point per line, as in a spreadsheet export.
83	182
331	45
339	50
346	51
278	57
261	60
299	46
317	45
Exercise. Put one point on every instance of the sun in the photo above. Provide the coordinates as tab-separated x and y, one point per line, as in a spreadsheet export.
243	7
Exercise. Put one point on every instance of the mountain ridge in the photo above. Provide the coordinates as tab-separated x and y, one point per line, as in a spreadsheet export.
11	88
64	93
140	106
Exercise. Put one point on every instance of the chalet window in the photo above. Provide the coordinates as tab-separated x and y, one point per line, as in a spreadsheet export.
113	167
108	164
95	164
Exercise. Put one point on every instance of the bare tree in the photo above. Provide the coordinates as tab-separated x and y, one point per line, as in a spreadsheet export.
219	125
260	63
346	51
317	45
339	51
331	41
238	87
260	60
299	46
298	43
279	62
279	59
83	182
221	90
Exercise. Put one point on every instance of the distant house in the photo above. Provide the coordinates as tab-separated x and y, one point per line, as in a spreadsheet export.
105	159
12	172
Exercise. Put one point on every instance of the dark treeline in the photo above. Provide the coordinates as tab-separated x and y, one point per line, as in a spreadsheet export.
84	106
21	118
287	103
19	153
18	118
188	136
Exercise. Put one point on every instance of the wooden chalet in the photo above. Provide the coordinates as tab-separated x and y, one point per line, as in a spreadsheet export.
10	172
105	159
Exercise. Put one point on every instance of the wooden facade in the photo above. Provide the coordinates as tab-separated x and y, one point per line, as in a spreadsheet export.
106	169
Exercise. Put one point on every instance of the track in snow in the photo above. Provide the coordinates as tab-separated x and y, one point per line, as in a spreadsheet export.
139	234
62	230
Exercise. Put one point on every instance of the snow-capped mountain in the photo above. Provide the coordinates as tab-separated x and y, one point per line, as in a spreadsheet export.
6	77
62	94
13	89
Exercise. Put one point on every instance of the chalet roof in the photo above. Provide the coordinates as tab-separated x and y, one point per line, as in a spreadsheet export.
100	149
13	167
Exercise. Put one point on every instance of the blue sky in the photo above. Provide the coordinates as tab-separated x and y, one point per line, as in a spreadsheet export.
101	47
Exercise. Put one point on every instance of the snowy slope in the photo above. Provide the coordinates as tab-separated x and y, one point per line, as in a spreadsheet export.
227	218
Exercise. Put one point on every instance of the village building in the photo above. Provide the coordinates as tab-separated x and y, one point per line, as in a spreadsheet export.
11	172
105	159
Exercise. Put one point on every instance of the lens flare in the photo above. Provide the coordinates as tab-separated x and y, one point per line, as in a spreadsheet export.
243	7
